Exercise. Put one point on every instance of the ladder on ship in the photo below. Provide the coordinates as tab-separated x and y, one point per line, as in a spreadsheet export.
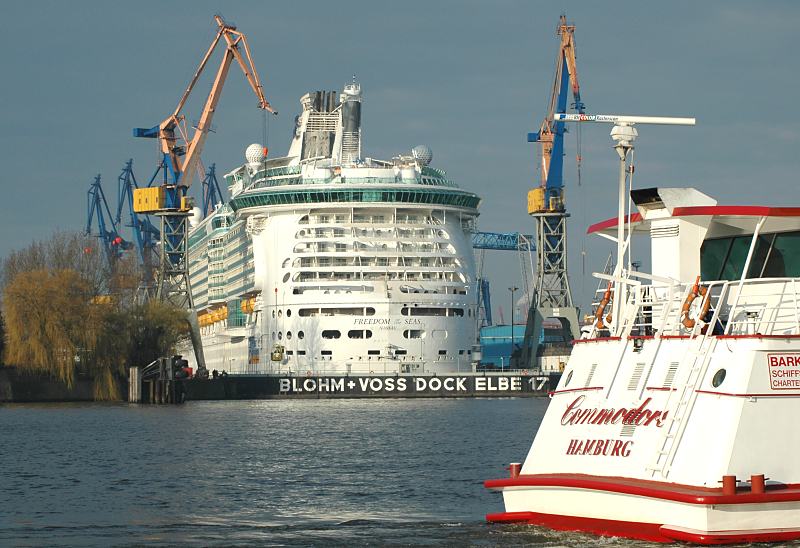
681	401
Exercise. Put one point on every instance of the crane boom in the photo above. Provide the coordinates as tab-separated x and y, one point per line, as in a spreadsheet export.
182	170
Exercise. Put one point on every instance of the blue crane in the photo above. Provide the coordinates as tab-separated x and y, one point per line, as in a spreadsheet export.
212	195
98	211
552	295
145	235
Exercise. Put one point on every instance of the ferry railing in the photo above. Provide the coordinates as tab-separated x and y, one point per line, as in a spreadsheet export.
763	306
757	306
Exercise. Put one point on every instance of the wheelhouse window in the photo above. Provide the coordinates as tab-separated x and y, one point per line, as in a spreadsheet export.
774	256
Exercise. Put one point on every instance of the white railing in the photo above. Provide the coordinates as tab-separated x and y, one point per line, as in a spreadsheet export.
759	306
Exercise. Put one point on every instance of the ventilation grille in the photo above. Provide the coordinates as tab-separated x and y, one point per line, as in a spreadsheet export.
664	231
636	377
627	430
670	377
590	375
322	122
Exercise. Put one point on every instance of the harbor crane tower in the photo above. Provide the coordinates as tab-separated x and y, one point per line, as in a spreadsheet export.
169	201
552	295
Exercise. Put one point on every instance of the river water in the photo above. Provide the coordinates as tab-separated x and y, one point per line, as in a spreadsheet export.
271	473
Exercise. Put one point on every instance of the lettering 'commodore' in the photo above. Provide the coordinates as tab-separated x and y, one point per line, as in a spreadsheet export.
640	415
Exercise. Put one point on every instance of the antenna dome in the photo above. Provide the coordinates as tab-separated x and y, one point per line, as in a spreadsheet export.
422	154
255	154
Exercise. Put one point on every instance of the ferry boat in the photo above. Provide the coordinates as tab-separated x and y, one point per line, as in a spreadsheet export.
674	418
325	261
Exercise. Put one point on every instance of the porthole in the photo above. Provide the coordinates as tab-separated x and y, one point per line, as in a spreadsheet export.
273	313
280	313
569	378
288	335
288	313
300	335
718	379
286	277
280	335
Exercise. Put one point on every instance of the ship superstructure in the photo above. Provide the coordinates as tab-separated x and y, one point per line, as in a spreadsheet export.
326	261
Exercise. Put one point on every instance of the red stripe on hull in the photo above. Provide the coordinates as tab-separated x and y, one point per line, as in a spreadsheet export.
729	537
641	531
602	527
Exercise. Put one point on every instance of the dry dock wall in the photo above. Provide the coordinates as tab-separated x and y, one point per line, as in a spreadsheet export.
375	386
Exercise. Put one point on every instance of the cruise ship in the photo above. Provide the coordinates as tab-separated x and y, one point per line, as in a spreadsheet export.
325	261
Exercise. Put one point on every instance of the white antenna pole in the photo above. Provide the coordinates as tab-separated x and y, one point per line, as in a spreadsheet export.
624	134
620	120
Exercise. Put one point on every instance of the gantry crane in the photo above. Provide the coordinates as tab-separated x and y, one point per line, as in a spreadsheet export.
499	241
99	213
145	235
552	296
180	162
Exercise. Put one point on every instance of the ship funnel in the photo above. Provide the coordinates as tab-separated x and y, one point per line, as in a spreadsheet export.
351	123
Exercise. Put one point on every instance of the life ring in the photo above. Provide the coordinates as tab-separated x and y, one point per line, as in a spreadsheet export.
598	315
687	321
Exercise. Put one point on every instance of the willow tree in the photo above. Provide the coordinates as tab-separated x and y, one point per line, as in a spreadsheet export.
45	315
68	312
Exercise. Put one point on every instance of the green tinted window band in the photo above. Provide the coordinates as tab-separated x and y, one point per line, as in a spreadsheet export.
416	196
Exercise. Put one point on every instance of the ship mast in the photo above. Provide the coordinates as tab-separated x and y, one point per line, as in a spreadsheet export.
624	134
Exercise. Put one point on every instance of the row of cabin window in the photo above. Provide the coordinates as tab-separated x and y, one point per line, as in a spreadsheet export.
370	219
370	311
400	352
304	262
386	232
448	276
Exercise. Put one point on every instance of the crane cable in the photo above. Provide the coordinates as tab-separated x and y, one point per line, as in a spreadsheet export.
265	132
265	128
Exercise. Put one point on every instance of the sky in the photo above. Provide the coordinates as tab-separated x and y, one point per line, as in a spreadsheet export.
469	79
